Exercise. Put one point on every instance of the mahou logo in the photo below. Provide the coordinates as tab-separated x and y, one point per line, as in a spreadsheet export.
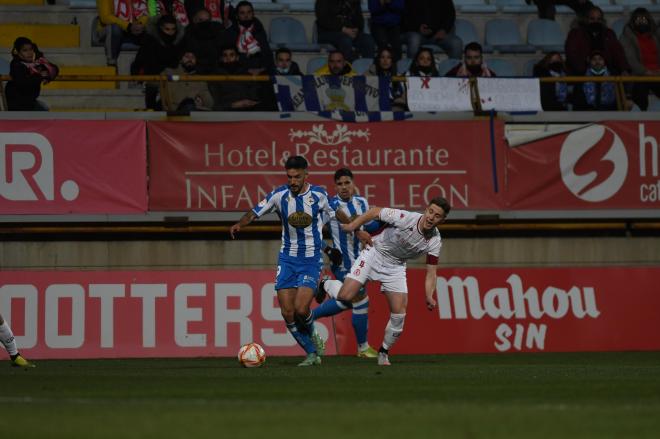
27	169
593	163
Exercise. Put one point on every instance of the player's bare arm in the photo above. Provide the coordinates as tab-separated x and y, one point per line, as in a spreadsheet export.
371	214
342	216
429	285
244	221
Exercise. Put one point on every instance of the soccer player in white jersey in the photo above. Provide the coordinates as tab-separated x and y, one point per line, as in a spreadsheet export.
8	341
346	249
300	206
406	236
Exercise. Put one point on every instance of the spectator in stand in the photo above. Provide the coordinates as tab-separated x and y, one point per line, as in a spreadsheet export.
160	49
205	38
233	95
385	66
221	11
119	22
595	96
284	64
187	96
641	44
249	36
554	95
175	8
386	18
336	66
548	10
340	23
431	22
592	34
28	70
473	64
423	64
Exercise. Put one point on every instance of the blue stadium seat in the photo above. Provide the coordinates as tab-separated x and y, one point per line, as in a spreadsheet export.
618	25
447	64
515	7
475	6
403	65
289	32
315	39
502	67
528	70
468	33
503	34
4	66
299	5
607	6
361	65
266	5
313	64
545	35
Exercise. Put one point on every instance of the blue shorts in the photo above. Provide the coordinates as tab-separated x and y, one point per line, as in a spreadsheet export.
297	272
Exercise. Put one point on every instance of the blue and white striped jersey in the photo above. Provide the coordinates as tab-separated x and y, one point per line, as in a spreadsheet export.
346	242
301	218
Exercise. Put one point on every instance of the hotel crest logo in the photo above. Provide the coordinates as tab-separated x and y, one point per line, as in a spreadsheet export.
318	134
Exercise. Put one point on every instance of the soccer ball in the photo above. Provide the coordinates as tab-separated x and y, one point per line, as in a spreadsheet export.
251	355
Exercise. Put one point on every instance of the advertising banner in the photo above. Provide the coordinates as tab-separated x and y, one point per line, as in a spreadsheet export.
85	314
232	166
609	165
491	310
67	166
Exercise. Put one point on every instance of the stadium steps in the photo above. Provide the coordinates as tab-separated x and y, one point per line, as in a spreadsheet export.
83	71
22	2
122	99
45	35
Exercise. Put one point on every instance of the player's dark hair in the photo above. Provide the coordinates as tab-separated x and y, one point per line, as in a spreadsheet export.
441	202
343	172
296	162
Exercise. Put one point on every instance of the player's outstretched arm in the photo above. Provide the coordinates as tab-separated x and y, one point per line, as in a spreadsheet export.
244	221
371	214
429	285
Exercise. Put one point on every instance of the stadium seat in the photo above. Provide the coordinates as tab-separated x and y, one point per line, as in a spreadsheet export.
474	6
289	32
468	33
618	25
4	66
630	5
403	65
502	67
545	35
515	7
266	5
608	7
45	35
504	36
361	65
528	70
313	64
315	39
298	5
447	64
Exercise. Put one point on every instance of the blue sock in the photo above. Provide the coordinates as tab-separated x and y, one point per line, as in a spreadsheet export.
360	320
306	324
301	338
328	308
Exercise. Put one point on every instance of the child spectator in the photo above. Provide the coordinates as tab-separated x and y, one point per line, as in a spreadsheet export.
595	96
28	70
554	95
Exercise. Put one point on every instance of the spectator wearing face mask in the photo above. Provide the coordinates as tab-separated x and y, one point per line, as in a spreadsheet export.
595	96
641	44
187	96
473	64
205	38
284	64
554	95
592	34
423	64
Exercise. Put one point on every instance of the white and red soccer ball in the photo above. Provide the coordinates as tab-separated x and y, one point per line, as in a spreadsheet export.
251	355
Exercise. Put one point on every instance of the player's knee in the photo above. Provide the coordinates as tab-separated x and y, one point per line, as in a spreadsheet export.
396	322
288	315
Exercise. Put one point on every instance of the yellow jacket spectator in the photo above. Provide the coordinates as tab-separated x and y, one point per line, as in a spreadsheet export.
119	22
337	65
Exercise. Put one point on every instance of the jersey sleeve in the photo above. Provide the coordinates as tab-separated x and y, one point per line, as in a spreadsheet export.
434	250
396	217
267	205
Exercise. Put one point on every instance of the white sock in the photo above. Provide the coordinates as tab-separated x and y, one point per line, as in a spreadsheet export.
332	287
7	339
393	329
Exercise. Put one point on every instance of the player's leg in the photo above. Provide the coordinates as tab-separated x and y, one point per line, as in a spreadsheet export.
360	321
394	328
8	341
308	273
331	306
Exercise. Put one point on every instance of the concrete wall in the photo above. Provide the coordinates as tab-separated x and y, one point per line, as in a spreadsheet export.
201	254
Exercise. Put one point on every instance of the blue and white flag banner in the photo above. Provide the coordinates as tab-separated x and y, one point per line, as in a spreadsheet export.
438	94
332	93
510	94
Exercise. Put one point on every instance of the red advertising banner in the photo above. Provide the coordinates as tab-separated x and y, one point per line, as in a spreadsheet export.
609	165
115	314
490	310
232	166
63	314
67	166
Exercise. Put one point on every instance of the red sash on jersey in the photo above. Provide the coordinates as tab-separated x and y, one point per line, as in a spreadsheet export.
131	10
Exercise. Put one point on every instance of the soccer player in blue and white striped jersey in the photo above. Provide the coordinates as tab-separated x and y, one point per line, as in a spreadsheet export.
349	246
300	206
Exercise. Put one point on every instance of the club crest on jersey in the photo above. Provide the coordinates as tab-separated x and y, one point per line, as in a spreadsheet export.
300	220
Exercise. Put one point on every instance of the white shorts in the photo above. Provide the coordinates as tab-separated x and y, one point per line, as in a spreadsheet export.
371	265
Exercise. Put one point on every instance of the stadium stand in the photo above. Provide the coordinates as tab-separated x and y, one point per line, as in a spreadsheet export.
290	32
504	35
545	35
361	65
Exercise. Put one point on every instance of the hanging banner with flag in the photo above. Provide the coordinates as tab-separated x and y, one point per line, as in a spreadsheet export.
439	94
510	94
332	93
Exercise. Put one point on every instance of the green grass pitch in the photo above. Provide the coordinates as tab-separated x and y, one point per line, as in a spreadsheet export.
467	396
